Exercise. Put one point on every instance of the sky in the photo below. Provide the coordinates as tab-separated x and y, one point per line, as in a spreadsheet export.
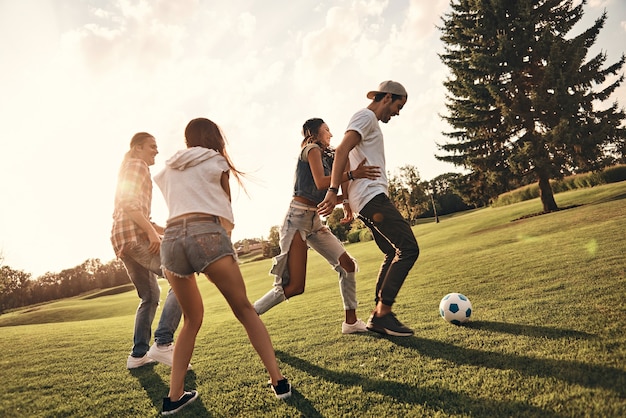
79	78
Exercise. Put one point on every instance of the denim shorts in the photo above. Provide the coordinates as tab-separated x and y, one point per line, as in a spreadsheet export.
191	248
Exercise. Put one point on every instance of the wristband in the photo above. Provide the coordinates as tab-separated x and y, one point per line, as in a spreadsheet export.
350	176
335	190
345	201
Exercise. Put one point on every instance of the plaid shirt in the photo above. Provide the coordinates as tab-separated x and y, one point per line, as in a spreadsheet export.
134	192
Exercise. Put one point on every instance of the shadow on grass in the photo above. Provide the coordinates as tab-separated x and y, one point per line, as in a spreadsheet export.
435	399
300	402
573	372
528	330
157	390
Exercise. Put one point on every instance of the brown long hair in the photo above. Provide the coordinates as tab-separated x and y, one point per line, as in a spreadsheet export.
202	132
310	129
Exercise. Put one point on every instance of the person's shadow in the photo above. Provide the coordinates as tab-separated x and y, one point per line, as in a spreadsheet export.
454	403
156	390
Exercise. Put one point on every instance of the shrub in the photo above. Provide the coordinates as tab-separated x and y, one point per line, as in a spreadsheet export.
577	181
353	236
614	174
365	235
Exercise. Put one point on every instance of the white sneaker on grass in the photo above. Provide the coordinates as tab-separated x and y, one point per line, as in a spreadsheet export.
163	354
358	326
135	362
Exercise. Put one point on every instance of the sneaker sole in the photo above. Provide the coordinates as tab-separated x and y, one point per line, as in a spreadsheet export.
147	363
386	331
355	331
284	396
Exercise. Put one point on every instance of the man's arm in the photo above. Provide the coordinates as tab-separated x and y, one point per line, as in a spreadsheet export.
350	140
145	224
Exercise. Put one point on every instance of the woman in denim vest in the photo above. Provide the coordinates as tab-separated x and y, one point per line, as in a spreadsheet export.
303	228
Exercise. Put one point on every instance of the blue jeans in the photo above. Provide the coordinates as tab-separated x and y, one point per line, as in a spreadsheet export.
143	268
394	237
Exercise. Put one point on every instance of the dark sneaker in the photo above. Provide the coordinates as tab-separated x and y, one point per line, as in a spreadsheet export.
282	390
171	407
389	325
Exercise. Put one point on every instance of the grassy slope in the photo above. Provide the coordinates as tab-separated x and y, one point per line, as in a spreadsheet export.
546	337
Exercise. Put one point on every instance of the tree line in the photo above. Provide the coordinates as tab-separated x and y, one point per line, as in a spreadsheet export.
18	288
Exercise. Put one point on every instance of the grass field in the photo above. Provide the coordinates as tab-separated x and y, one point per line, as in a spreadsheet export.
546	338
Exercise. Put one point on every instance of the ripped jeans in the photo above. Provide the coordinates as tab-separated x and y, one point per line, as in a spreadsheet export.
304	220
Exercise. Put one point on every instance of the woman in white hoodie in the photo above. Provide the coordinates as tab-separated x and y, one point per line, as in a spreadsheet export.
195	184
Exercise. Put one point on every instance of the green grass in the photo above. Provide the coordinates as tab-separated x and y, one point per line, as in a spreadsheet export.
546	338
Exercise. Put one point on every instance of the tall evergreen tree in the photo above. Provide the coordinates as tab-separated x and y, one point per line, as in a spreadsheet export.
521	97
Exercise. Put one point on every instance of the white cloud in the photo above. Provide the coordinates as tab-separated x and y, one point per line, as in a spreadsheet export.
246	24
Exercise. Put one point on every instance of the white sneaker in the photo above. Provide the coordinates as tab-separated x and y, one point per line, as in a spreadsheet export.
134	362
358	326
163	354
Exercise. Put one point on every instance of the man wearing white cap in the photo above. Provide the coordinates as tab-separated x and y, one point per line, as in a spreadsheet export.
369	199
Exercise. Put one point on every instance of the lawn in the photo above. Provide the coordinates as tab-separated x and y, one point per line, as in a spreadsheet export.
546	337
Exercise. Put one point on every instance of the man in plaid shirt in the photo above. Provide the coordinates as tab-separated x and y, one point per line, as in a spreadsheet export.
137	241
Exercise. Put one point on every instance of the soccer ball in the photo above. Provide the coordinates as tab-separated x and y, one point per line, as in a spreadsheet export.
455	308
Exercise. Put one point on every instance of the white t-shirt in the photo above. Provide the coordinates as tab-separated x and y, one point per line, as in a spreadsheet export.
190	183
372	149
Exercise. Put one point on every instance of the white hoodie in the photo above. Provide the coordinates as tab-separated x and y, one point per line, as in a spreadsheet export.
190	183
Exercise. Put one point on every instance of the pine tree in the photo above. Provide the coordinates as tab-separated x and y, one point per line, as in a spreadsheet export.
521	96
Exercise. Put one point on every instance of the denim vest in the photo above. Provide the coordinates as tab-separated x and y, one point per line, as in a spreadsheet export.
304	185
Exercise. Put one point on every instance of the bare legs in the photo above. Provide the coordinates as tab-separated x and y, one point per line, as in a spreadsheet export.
297	267
297	271
190	300
226	276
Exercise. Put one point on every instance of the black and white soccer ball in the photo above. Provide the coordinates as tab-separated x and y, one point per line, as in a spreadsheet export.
455	308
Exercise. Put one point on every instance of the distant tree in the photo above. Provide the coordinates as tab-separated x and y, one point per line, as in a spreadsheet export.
13	288
271	247
110	274
445	196
407	193
522	99
334	224
47	287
